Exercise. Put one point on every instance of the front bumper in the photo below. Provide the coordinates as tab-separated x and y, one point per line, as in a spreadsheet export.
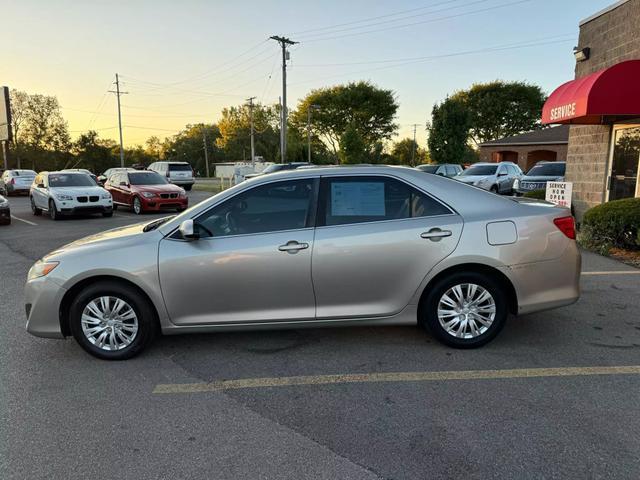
42	298
156	204
86	210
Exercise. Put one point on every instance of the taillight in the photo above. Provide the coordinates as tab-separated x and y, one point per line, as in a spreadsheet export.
13	181
567	226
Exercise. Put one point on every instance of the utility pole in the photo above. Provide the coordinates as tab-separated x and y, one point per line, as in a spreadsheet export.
284	42
253	146
4	155
206	154
118	93
413	147
309	108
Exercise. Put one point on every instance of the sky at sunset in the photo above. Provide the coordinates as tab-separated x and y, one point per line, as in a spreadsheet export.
183	61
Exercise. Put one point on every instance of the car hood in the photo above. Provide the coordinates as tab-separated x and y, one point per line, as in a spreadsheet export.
167	188
74	191
539	178
471	178
109	239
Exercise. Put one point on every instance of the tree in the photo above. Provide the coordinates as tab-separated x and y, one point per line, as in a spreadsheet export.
501	109
449	132
93	153
188	146
235	132
408	152
154	147
38	126
361	106
352	146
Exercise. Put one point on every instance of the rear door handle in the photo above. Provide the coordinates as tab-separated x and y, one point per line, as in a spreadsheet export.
435	234
293	246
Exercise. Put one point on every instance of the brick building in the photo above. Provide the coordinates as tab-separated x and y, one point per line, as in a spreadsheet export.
527	149
602	105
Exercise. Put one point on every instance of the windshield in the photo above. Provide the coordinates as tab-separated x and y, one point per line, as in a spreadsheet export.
273	168
480	170
179	167
23	173
147	178
71	180
428	168
548	170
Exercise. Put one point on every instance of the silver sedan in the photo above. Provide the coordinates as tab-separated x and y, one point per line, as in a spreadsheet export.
310	248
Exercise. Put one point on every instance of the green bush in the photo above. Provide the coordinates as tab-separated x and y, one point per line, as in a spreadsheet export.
614	224
539	194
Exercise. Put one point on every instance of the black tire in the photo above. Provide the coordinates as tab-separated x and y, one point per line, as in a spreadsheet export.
147	323
429	309
35	210
115	207
136	206
53	212
494	189
107	214
188	187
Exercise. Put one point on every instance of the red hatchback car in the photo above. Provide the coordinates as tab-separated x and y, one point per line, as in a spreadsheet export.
145	191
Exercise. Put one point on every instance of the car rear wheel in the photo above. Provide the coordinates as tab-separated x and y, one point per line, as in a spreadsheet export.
35	210
53	212
137	206
111	321
188	187
465	310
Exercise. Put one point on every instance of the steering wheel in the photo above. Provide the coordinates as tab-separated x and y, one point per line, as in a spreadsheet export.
231	222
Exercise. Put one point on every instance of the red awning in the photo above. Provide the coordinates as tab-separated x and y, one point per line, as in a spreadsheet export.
612	92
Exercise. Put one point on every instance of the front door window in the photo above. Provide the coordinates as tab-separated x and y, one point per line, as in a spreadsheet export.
623	182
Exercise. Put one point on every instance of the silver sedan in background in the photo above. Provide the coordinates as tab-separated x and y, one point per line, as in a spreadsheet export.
308	248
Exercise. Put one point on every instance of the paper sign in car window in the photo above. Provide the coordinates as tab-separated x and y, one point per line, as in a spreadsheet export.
362	199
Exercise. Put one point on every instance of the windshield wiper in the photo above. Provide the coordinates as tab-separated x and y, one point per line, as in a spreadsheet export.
156	223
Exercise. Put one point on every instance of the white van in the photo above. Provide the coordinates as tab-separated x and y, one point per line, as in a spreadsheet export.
179	173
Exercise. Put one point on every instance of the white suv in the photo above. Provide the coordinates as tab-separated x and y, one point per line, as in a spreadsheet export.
68	193
179	173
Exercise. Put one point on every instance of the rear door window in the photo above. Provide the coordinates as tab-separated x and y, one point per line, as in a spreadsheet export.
346	200
179	167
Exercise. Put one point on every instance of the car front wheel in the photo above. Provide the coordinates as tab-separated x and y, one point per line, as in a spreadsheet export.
137	206
53	212
111	321
465	310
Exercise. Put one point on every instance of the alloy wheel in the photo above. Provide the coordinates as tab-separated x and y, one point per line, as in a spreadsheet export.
109	323
137	206
466	310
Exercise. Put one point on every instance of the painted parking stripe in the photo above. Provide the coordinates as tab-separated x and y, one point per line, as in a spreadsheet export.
615	272
23	220
248	383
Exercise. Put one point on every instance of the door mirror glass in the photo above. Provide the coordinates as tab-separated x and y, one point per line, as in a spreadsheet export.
188	230
502	174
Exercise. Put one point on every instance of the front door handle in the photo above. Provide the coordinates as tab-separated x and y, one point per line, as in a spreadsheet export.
435	234
292	246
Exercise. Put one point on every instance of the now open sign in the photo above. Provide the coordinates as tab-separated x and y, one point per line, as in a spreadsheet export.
559	193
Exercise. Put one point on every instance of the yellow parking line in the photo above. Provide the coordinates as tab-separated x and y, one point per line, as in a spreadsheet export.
614	272
246	383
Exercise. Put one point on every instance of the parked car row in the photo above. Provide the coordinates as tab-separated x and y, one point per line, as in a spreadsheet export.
501	177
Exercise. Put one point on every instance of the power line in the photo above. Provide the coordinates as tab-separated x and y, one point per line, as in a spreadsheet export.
396	20
422	22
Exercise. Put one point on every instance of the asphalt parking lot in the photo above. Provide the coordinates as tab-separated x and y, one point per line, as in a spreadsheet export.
554	396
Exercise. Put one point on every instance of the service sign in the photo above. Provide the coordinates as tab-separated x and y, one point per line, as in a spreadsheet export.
559	193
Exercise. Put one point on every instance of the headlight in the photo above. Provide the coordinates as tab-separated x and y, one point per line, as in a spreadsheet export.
4	203
148	194
61	196
41	269
182	194
105	196
516	183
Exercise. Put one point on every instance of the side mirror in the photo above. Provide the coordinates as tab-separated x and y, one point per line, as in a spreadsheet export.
102	179
41	185
188	230
124	184
502	174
